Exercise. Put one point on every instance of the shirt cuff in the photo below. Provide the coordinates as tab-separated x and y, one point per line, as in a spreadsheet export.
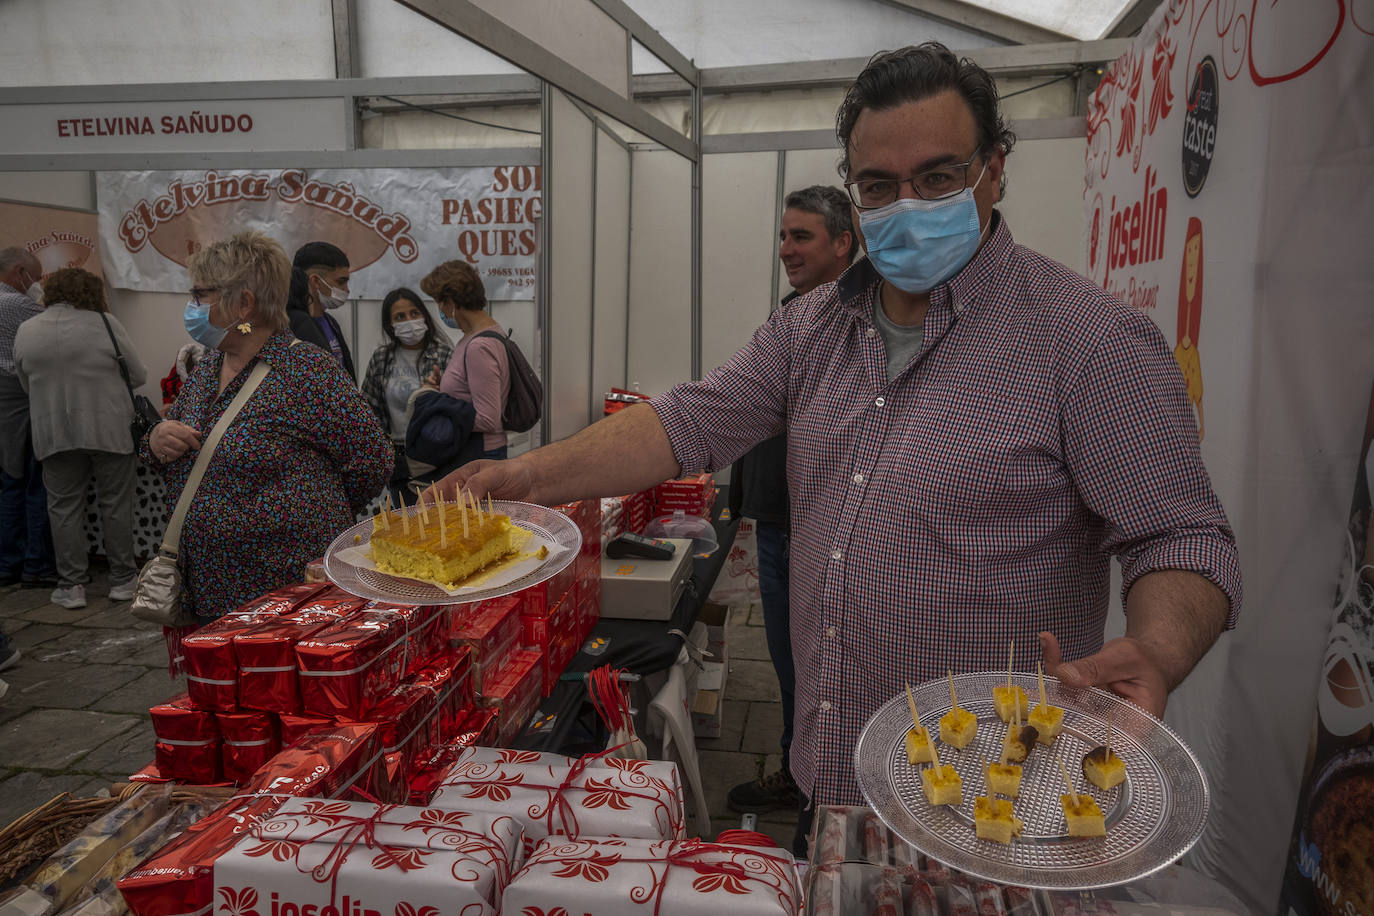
1211	556
685	436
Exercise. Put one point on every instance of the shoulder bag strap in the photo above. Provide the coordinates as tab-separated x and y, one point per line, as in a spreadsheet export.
172	538
119	358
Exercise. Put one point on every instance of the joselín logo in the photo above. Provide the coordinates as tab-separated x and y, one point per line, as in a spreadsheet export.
348	906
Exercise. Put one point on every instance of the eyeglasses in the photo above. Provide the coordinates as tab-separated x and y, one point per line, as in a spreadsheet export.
200	292
932	184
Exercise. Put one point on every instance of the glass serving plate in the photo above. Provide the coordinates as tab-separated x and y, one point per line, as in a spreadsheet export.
1152	818
554	528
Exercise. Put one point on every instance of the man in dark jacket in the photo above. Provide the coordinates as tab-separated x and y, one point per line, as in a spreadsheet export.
816	244
319	284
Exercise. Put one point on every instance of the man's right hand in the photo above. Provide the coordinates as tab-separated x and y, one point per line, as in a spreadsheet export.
497	479
171	440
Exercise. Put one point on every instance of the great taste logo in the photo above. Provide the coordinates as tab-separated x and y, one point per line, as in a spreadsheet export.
176	222
1200	127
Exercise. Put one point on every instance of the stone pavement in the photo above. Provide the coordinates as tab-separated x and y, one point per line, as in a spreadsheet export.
76	715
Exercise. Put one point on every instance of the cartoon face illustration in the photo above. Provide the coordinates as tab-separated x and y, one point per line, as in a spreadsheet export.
1192	255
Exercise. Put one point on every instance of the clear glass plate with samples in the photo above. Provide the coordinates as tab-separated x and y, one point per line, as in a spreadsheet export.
1151	819
348	562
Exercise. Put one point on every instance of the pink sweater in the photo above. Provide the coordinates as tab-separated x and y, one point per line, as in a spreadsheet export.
478	372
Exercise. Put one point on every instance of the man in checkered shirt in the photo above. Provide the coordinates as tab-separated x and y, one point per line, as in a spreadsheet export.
964	459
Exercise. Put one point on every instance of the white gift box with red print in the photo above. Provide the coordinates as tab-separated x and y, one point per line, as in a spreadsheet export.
620	877
331	858
595	796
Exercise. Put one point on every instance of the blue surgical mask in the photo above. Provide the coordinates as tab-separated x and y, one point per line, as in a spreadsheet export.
918	244
199	326
451	322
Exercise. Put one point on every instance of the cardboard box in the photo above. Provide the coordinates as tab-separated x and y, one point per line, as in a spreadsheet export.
708	706
715	616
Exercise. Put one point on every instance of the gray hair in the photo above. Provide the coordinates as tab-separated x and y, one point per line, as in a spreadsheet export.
831	205
248	260
10	258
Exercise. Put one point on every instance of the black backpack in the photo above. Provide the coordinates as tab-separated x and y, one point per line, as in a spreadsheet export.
525	403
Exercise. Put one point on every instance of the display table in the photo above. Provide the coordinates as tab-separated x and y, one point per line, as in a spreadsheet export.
565	721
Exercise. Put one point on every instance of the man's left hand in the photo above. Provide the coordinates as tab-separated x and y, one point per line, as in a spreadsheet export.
1121	666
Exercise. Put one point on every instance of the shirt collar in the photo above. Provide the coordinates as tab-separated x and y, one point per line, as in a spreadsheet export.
963	289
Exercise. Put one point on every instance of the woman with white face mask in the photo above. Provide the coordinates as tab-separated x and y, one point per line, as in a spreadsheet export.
414	348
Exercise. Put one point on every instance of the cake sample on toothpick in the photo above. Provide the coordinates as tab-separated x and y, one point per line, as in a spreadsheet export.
1047	720
958	726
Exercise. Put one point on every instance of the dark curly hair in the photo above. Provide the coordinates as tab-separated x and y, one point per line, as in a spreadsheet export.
458	282
77	288
893	78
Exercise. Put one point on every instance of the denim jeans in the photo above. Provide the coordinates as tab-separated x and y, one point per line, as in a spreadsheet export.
26	549
774	556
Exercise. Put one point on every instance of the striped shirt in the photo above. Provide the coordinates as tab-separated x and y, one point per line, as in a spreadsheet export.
976	498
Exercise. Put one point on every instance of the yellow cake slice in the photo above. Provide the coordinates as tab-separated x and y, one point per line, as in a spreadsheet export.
1083	815
456	543
918	746
1008	700
994	819
1104	768
942	785
1004	779
958	727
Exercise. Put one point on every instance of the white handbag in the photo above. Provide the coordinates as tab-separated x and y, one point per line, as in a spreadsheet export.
157	597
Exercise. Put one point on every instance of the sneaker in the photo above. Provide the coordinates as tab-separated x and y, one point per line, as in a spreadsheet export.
4	689
124	591
9	659
71	597
765	793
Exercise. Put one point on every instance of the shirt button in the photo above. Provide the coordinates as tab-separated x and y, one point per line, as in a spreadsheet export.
858	478
830	632
837	554
870	332
825	705
880	401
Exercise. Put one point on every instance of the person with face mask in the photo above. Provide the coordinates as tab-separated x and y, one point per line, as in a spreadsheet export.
973	432
304	455
414	349
319	286
26	549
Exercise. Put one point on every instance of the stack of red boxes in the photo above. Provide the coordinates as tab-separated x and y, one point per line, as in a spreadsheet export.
303	658
694	495
639	508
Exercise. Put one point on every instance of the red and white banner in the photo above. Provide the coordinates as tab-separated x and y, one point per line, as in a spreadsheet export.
1227	195
59	237
395	225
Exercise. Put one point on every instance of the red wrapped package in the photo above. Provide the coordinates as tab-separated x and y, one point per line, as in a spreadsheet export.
250	740
540	599
267	653
179	879
478	729
426	629
347	668
294	727
492	630
515	691
211	665
188	743
451	677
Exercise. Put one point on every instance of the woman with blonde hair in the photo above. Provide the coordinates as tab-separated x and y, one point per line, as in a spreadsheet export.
301	459
80	412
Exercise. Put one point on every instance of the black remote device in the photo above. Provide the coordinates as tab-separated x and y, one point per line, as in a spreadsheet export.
636	545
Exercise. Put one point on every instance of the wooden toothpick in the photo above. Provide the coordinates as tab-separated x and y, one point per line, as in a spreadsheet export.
489	509
405	516
1011	650
1067	781
1040	674
386	511
953	700
911	704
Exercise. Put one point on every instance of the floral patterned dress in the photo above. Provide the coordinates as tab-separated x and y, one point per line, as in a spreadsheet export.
301	459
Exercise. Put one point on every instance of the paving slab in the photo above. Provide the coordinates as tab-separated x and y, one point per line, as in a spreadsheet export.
124	754
19	601
739	615
151	687
153	655
748	643
117	616
725	770
755	615
108	647
46	612
34	634
762	729
23	792
9	709
59	685
752	680
51	739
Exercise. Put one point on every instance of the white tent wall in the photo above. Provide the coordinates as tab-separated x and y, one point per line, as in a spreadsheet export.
569	194
660	325
611	279
738	248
